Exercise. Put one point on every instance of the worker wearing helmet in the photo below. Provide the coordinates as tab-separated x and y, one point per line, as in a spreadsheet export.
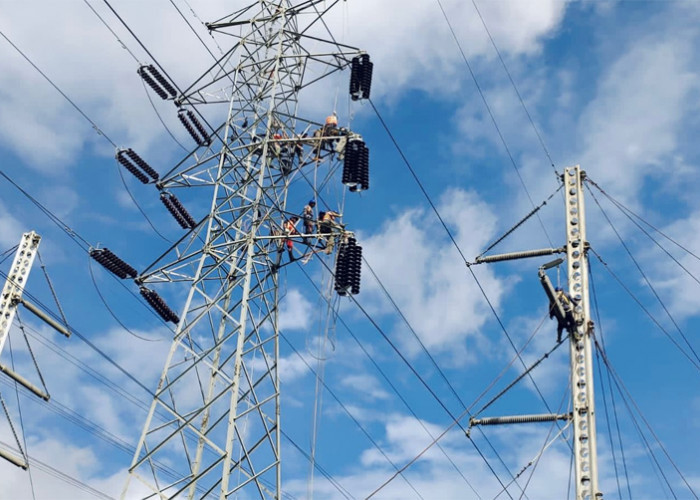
332	120
566	303
330	129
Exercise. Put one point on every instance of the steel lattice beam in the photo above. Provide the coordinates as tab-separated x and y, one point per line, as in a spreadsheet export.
215	415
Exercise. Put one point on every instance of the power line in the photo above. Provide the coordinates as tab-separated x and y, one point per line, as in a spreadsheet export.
515	87
77	108
66	478
427	386
454	242
644	276
349	413
123	45
646	311
111	312
612	397
628	213
493	118
625	209
629	399
94	126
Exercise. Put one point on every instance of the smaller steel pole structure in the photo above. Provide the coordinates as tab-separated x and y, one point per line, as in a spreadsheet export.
585	449
10	299
16	279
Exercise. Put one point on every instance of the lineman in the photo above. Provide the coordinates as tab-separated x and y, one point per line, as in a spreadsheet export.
567	321
327	223
308	217
289	228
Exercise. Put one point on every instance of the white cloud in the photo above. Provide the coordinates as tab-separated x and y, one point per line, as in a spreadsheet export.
417	51
630	130
296	312
365	386
426	276
100	76
10	229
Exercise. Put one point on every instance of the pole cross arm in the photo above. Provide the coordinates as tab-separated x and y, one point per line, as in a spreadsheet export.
43	316
518	255
13	459
24	383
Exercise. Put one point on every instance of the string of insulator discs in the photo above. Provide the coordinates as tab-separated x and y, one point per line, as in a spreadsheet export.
157	82
177	209
356	166
348	268
113	263
360	77
194	127
136	165
159	305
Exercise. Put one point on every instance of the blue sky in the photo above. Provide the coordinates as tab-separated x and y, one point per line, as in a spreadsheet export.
612	86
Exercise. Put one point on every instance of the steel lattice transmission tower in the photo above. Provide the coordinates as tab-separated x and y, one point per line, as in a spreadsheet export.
213	428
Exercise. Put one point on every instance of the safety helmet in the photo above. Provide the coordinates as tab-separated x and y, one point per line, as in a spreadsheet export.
312	202
332	120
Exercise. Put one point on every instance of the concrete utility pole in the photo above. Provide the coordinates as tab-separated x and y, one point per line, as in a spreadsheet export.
572	311
585	450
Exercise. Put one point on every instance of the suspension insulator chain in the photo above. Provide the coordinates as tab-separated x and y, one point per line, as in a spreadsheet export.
157	81
360	77
348	268
177	210
356	166
159	305
113	263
